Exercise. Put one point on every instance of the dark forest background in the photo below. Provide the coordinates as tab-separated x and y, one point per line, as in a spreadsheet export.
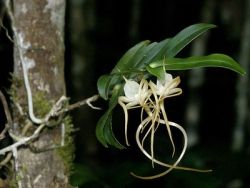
214	106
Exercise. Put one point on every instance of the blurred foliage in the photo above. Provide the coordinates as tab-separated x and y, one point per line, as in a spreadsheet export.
227	170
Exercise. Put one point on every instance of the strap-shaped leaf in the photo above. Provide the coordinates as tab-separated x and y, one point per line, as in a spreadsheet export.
105	120
128	59
183	38
172	46
103	85
139	56
106	82
104	131
213	60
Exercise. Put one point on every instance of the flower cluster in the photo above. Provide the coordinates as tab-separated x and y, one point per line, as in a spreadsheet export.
150	98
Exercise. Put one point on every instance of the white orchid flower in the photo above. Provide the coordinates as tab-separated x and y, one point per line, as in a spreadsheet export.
150	98
168	87
136	96
164	89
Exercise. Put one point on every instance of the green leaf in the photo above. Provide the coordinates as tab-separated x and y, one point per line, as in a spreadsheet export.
171	47
109	135
183	38
139	56
127	62
106	82
104	131
151	53
103	85
213	60
102	122
158	71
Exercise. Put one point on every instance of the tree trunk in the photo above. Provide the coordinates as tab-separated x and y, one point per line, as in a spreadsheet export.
38	27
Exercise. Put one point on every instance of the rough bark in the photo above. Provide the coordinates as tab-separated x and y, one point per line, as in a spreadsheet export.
39	37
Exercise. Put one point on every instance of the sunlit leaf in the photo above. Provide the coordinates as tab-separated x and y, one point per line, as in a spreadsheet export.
213	60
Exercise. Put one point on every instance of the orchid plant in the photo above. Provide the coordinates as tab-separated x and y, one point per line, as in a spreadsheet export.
130	84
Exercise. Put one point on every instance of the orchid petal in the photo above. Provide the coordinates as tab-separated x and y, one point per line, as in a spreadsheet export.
131	89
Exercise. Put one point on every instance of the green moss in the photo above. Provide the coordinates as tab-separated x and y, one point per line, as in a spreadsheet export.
16	83
67	151
41	104
41	107
12	183
11	177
